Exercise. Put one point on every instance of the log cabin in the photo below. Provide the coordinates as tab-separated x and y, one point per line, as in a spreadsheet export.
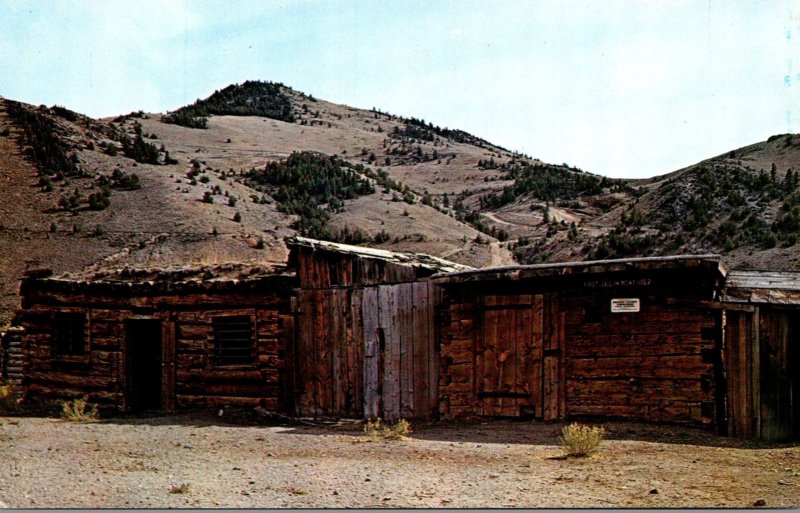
136	340
351	332
632	339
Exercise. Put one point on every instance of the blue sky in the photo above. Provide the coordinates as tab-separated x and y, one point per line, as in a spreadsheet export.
620	88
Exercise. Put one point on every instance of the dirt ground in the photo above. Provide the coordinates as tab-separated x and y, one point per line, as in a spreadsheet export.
237	461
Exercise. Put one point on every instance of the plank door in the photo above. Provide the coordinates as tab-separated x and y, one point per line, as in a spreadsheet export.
509	356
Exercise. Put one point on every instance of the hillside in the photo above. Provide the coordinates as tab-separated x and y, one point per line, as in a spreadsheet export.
228	177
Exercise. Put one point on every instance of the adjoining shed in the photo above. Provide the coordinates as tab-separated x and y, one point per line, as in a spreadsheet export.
637	338
762	310
134	340
366	336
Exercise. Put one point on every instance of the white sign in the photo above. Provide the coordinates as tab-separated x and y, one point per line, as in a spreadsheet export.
625	305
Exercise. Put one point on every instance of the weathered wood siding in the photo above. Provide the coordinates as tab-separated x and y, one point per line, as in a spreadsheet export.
190	376
742	373
778	384
657	364
366	352
11	355
552	348
501	355
322	269
201	382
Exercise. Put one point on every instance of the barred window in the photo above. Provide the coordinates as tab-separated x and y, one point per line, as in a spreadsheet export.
233	340
70	334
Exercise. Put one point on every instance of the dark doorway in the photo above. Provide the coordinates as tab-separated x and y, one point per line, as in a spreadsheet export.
143	365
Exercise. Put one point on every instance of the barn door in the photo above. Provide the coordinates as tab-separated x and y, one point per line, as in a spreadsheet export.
509	356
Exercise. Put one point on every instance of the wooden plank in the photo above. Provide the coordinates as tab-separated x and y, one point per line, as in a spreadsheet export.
522	363
355	354
421	347
322	334
562	367
678	367
335	341
371	340
434	299
488	374
405	317
168	360
755	370
536	357
506	356
549	362
391	354
306	355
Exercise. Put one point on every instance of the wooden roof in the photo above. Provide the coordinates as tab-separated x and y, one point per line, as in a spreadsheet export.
519	272
232	276
417	260
777	287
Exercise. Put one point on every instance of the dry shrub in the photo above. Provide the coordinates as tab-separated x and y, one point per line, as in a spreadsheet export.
79	410
384	431
180	489
580	440
9	399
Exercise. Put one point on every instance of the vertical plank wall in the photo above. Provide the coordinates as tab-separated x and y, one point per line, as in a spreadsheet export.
739	355
367	352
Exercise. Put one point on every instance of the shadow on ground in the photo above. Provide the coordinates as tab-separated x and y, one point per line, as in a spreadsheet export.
477	430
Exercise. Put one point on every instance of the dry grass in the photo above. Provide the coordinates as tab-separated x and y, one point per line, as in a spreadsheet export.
180	488
580	440
79	410
9	399
377	429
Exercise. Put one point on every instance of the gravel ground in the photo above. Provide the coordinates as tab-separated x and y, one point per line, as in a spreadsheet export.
201	461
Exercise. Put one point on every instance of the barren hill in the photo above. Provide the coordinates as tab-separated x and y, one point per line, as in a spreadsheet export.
227	178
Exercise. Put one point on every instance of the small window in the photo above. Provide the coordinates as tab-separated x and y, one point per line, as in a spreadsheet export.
70	334
233	340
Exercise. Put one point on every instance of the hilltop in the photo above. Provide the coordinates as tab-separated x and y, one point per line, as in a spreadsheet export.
227	178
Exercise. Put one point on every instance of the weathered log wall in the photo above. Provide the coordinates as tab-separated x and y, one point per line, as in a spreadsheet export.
657	364
11	356
552	348
190	376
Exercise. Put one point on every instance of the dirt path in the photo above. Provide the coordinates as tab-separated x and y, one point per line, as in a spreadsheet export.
136	463
493	217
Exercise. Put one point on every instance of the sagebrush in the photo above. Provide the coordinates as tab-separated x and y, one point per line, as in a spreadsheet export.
385	431
180	488
581	440
79	410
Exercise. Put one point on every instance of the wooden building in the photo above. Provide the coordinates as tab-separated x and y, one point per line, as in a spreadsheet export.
366	337
352	332
636	339
762	311
134	340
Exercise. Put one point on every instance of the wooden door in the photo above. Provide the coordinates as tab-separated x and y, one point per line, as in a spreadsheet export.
509	356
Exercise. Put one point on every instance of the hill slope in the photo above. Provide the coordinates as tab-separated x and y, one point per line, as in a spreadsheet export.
227	178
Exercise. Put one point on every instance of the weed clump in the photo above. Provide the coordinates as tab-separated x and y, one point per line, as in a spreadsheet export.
580	440
9	399
180	488
79	410
385	431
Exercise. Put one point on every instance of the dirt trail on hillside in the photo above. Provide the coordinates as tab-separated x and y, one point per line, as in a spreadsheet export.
203	461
